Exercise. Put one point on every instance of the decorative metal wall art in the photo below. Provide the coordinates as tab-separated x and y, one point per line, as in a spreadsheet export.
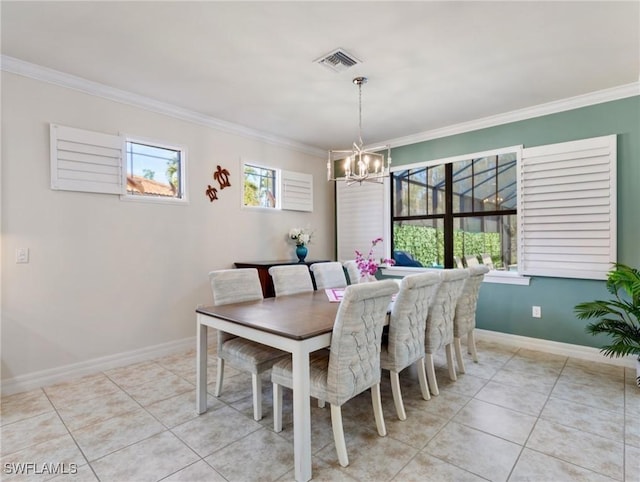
221	176
212	193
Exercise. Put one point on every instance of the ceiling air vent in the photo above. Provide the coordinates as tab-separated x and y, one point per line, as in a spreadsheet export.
338	60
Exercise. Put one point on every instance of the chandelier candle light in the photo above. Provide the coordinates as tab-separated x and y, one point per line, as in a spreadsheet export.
360	164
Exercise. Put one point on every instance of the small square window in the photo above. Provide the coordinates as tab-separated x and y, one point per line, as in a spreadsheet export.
260	187
155	171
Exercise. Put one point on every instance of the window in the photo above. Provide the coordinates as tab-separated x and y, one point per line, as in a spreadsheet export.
155	171
457	208
260	187
270	188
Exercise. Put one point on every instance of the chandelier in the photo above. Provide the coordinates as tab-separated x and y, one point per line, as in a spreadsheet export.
360	164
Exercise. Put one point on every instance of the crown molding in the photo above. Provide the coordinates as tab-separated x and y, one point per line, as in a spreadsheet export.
585	100
44	74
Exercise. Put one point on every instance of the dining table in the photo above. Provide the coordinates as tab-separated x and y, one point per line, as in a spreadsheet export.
298	324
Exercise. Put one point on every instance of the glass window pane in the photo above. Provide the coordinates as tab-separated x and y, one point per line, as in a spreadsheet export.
259	186
435	196
479	185
422	240
418	192
463	186
401	193
495	236
154	171
484	183
507	181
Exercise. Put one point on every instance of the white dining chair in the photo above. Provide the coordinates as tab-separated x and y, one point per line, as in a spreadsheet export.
351	365
487	261
328	275
352	271
471	260
290	279
458	262
464	321
439	330
235	286
404	345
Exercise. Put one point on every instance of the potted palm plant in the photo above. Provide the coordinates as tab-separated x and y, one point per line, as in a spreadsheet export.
618	317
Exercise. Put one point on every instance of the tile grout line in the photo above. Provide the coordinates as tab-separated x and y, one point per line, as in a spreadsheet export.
499	367
167	429
450	420
72	436
524	445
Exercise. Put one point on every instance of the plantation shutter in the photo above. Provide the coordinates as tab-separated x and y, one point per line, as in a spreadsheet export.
87	161
567	209
360	218
297	191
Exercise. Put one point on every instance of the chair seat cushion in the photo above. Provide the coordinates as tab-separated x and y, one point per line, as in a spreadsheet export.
249	355
318	372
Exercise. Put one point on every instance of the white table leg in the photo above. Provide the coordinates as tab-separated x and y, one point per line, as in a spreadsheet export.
201	368
301	414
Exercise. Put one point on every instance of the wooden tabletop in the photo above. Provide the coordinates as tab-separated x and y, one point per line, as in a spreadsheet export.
298	316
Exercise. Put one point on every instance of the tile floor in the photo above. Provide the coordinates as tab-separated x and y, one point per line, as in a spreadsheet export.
517	415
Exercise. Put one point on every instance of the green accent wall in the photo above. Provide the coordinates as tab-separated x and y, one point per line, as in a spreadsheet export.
507	308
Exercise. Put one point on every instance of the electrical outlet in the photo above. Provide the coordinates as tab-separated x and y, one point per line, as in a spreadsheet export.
536	312
22	255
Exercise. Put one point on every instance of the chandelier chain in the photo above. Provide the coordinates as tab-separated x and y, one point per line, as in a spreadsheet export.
360	114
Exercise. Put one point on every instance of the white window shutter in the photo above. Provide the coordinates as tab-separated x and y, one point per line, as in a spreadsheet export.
567	209
87	161
297	191
361	218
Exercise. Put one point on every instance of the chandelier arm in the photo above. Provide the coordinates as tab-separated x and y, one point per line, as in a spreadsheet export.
360	164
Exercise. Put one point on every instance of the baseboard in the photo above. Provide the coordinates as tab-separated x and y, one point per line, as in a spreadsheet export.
554	347
43	378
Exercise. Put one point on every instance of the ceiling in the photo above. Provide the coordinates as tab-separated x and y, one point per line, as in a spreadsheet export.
430	64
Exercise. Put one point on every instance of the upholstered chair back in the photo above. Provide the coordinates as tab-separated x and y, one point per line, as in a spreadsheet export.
352	271
354	363
465	313
439	330
329	275
290	279
408	320
234	286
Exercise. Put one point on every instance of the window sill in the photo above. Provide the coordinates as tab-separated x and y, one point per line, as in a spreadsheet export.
153	199
494	276
506	278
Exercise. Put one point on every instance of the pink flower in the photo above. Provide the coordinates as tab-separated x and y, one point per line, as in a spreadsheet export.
369	265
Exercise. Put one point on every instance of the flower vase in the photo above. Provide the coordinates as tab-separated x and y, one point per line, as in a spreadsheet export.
301	252
366	278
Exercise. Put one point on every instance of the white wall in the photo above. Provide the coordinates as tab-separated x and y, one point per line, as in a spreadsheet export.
108	276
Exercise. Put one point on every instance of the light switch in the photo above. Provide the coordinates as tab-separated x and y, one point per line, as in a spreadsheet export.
22	255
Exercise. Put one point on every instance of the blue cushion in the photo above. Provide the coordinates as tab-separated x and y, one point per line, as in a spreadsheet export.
405	259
